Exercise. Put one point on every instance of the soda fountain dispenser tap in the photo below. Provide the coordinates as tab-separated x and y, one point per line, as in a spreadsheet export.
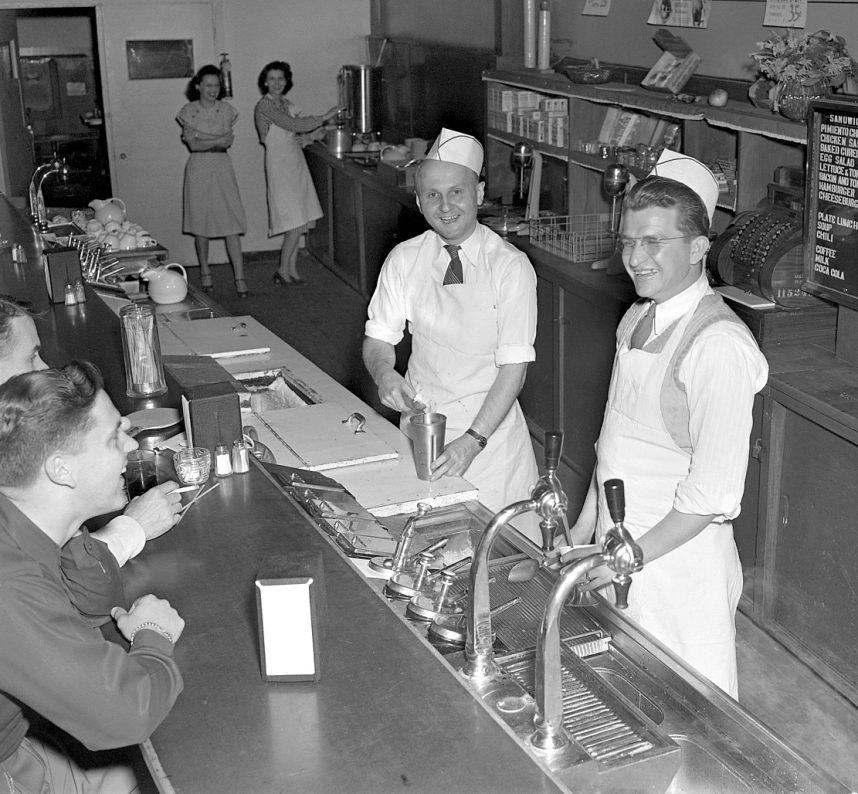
623	556
614	180
549	501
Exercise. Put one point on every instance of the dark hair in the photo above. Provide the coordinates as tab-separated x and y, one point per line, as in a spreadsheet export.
41	412
660	191
192	92
9	310
279	65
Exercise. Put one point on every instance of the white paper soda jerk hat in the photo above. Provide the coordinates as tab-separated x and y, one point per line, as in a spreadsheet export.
456	147
691	173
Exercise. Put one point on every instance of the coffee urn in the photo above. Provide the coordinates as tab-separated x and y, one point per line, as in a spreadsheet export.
360	94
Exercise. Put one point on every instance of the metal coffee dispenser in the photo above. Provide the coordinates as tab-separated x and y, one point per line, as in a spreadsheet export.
361	95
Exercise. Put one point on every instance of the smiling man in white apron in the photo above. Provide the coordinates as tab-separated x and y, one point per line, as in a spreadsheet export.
677	423
469	299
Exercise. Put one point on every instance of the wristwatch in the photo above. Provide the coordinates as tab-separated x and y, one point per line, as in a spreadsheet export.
481	440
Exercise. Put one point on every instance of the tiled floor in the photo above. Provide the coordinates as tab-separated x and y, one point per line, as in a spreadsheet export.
324	321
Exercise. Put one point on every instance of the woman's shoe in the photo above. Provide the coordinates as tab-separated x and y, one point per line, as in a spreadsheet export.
241	288
206	282
280	281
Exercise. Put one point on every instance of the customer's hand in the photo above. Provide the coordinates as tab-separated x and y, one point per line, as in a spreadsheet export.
148	609
157	510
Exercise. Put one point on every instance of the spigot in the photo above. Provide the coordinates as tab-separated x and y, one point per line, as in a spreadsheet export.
623	556
395	564
548	492
547	499
37	201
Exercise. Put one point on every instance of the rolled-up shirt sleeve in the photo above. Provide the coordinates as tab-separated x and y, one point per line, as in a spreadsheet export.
387	309
722	372
516	289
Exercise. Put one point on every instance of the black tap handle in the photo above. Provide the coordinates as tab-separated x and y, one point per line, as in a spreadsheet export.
621	591
615	494
553	448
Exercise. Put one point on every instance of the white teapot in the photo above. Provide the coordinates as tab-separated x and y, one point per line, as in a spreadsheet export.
112	209
165	285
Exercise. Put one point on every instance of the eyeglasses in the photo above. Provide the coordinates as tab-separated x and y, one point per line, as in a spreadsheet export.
652	245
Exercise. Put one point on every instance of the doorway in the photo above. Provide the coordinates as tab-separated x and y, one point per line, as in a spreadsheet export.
63	101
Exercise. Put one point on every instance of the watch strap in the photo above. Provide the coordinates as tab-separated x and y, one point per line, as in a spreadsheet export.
481	440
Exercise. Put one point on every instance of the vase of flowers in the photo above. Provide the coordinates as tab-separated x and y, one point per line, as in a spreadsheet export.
803	66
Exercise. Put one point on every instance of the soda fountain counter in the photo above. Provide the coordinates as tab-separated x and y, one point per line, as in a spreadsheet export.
390	709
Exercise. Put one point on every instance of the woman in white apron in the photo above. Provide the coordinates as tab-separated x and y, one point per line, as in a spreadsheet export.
292	199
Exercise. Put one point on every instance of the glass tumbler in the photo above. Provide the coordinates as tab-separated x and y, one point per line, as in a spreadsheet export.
141	351
193	465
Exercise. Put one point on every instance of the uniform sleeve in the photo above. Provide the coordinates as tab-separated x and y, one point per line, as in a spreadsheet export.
516	312
387	310
56	664
721	373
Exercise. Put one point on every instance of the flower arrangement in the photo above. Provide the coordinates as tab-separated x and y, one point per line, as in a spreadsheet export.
807	58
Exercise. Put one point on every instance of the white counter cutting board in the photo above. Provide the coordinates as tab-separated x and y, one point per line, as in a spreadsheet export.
317	436
218	337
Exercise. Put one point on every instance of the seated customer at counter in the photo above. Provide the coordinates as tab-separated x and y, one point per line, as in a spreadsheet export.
62	451
469	299
145	517
677	423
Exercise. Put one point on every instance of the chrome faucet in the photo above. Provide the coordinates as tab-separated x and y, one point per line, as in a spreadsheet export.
548	500
37	201
623	556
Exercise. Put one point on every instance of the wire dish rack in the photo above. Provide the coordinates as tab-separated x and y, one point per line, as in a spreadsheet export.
578	238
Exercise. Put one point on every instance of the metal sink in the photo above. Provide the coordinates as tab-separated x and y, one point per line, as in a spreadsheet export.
701	771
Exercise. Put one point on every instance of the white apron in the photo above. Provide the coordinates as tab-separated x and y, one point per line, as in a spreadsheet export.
687	599
292	199
454	337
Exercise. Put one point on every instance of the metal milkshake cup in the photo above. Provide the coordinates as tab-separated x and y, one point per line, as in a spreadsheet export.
426	431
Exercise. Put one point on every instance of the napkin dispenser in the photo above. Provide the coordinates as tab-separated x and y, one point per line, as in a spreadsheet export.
212	414
290	610
62	266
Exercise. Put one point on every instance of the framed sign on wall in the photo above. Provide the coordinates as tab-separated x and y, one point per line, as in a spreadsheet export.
159	59
831	202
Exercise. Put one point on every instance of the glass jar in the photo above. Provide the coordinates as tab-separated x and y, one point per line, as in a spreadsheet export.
141	351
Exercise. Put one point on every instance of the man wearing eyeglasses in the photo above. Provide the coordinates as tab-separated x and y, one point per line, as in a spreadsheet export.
677	423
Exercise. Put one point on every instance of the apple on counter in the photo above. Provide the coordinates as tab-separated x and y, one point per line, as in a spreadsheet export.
718	98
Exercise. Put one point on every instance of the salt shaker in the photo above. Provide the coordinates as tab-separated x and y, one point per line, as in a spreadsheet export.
223	464
240	456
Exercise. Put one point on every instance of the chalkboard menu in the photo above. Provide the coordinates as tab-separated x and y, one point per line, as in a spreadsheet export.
831	202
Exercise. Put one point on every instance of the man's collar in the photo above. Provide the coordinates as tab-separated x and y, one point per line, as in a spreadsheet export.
469	247
673	308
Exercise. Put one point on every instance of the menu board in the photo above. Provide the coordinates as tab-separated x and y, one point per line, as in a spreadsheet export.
831	202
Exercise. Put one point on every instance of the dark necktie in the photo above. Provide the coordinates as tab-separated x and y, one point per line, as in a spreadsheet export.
643	329
454	273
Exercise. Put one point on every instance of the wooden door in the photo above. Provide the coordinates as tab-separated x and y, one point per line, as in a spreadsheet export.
147	157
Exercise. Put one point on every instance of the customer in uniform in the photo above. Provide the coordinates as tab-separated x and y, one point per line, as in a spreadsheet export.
677	423
469	300
146	517
292	199
62	450
211	202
